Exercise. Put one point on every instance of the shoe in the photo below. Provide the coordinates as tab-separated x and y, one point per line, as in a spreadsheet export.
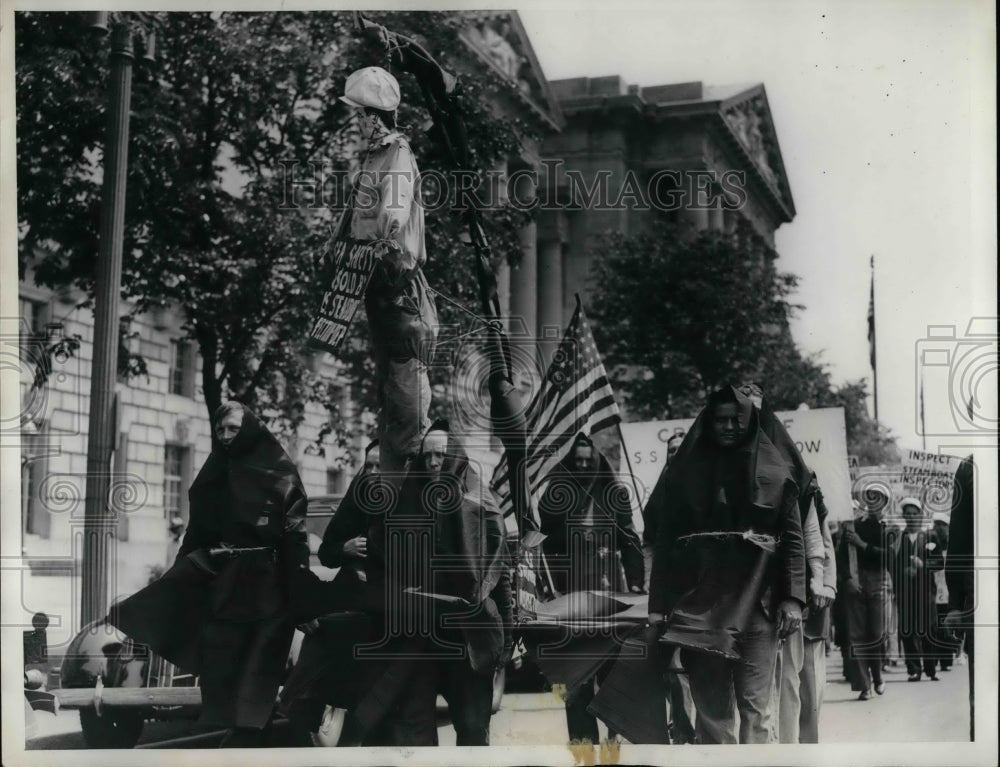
880	688
933	677
913	678
865	695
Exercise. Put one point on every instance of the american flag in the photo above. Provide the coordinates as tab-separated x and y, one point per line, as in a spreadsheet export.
575	396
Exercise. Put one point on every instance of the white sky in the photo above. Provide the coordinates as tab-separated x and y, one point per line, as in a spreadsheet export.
885	114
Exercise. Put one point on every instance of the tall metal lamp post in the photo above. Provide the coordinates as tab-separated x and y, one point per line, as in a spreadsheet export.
99	518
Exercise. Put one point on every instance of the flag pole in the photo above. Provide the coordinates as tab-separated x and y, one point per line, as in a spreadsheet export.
923	424
628	462
871	338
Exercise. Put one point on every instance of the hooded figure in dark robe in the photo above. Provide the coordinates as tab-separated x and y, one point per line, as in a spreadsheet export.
585	498
591	546
324	673
228	607
345	542
729	567
439	583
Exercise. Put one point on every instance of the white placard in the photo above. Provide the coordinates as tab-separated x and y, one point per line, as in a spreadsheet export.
820	435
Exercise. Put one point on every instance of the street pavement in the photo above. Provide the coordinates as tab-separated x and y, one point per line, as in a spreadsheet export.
910	712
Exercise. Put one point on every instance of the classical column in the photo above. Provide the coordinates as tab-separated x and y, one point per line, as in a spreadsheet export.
524	282
503	287
575	264
524	291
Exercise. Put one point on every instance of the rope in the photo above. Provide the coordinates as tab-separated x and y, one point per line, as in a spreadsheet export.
487	322
760	539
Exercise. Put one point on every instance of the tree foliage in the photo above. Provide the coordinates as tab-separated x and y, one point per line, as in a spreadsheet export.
677	316
233	101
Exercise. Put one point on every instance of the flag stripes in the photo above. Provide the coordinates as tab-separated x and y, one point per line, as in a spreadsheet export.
575	397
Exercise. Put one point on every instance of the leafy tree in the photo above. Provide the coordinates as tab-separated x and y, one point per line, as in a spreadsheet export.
677	316
872	443
234	101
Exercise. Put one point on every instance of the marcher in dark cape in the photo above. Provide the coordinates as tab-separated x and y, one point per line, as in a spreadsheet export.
755	477
728	580
572	495
960	572
324	673
350	522
467	527
775	430
228	607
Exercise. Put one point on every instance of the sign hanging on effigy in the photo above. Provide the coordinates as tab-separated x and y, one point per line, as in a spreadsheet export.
354	263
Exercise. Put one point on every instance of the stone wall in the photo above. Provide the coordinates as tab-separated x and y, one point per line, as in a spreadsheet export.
149	418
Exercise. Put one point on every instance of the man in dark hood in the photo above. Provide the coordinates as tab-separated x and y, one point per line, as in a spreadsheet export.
439	550
728	487
591	545
228	608
584	498
324	672
345	542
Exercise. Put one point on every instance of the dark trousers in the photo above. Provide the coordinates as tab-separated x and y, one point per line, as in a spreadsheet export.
970	651
679	692
921	639
470	701
412	720
242	737
866	625
918	636
918	652
945	658
581	724
246	737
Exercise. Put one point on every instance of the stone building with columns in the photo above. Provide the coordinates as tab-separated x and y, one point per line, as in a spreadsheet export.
707	157
611	157
614	157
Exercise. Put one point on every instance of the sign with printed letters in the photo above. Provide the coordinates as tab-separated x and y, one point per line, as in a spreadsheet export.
820	435
354	263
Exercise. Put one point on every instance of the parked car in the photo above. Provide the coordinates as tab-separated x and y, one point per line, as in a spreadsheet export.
118	684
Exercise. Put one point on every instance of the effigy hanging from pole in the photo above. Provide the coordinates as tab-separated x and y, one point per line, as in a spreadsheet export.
400	309
378	254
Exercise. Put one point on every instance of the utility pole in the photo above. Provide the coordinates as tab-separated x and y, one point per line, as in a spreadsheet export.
100	522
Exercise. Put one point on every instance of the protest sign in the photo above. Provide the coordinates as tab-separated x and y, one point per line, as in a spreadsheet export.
930	477
820	435
354	263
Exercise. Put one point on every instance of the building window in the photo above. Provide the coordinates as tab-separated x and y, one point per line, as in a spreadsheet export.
334	481
175	459
34	513
32	330
181	372
33	315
